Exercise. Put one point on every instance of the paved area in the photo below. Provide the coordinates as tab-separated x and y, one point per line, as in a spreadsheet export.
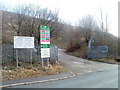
104	79
81	66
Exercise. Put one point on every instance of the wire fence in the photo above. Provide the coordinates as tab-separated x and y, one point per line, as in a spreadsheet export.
9	54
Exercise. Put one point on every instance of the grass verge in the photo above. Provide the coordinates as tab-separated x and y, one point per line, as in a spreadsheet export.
107	60
10	72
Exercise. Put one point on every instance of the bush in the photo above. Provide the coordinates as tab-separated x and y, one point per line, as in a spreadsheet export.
72	47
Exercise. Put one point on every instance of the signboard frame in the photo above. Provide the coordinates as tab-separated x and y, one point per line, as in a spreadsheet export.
23	42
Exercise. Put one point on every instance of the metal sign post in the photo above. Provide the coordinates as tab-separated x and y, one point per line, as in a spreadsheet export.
47	61
42	63
17	58
30	57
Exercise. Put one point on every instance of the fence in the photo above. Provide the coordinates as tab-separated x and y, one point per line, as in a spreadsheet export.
9	55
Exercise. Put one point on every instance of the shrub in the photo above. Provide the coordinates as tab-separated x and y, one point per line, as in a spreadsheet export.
72	47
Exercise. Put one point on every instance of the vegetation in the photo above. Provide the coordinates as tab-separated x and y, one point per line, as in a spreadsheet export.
27	19
10	72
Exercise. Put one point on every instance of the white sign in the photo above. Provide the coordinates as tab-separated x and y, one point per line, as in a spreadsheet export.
45	52
23	42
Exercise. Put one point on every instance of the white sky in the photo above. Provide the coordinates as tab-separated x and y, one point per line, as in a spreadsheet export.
73	10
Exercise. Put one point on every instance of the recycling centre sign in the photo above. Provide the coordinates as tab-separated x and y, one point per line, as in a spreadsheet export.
45	41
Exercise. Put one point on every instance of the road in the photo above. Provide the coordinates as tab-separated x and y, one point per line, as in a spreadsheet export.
81	66
89	74
99	79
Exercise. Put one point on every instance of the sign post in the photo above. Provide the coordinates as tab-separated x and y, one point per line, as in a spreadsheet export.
30	57
45	42
17	58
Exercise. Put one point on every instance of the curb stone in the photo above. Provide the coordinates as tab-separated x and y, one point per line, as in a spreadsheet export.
43	81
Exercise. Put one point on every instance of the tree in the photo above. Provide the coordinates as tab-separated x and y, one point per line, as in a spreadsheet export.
48	18
104	26
87	24
28	18
17	19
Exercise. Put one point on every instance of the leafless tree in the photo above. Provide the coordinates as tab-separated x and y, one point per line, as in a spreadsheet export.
47	17
87	24
17	19
104	27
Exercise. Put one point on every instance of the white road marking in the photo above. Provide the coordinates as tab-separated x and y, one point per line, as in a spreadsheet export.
59	54
77	62
89	71
100	69
81	66
60	49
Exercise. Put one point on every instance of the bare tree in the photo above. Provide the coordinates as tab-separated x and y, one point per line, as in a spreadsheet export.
104	27
47	17
17	19
87	24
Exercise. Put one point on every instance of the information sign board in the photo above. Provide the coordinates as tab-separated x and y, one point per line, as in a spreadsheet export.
45	41
23	42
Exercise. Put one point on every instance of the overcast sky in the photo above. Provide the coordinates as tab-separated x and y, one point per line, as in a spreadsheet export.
73	10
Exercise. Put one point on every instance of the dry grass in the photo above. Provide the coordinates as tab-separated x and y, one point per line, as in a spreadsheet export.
107	60
81	52
24	71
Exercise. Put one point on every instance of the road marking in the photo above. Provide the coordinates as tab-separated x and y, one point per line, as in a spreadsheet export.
81	66
77	62
59	54
60	49
99	69
89	71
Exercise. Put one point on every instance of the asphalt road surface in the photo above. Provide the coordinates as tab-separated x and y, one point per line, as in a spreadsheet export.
99	79
81	66
91	74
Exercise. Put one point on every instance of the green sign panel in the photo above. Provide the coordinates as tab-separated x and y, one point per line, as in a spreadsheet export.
42	27
45	45
45	41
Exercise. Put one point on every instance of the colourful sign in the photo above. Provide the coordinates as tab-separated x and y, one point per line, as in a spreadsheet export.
45	41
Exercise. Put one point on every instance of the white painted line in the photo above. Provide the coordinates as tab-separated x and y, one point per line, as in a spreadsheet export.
4	86
59	54
76	62
90	71
81	66
99	69
17	84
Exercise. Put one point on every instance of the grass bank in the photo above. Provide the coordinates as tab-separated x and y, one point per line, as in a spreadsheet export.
10	72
